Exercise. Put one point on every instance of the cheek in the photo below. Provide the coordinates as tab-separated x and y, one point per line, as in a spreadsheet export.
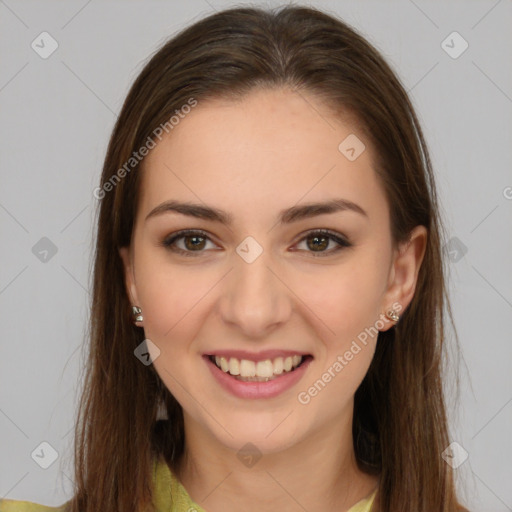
348	302
170	299
168	295
346	298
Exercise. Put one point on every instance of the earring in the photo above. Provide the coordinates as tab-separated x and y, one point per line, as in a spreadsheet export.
161	412
392	315
137	314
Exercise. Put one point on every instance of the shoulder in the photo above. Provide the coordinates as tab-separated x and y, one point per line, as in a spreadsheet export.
27	506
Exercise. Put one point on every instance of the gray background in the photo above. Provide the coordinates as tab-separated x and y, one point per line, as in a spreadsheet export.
56	118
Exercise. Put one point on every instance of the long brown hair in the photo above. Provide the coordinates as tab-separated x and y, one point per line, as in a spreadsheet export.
400	425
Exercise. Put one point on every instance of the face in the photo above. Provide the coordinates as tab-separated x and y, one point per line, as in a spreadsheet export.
259	284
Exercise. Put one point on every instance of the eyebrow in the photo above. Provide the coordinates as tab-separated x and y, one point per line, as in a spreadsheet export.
286	216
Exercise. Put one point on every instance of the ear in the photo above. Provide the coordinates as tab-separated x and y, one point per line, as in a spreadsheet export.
129	276
404	272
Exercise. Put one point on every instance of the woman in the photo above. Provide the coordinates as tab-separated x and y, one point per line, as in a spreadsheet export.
267	319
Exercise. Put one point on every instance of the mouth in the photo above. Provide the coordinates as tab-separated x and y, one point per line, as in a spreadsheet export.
246	370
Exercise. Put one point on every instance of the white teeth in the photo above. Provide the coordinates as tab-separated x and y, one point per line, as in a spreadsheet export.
234	366
262	369
247	368
278	366
224	364
221	362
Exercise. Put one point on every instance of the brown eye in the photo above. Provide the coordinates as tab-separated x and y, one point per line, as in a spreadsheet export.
194	242
318	241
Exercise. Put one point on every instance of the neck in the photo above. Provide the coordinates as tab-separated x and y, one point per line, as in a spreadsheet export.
318	473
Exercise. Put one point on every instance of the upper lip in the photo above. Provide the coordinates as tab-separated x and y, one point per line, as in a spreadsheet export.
256	356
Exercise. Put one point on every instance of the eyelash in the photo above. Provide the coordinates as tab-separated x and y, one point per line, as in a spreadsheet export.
168	242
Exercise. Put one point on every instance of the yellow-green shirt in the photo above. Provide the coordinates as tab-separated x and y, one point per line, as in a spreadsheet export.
169	496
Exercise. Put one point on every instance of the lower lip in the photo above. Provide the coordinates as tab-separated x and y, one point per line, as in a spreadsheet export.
263	389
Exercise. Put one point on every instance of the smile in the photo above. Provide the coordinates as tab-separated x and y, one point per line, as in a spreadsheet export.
253	376
257	371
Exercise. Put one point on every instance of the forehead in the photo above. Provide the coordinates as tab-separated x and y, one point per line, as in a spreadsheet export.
271	149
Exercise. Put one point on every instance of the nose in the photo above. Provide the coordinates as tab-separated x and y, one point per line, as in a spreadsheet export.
255	299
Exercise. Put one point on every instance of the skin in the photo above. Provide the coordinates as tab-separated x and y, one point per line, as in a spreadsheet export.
254	158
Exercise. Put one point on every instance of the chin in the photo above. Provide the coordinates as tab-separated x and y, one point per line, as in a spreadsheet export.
267	433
